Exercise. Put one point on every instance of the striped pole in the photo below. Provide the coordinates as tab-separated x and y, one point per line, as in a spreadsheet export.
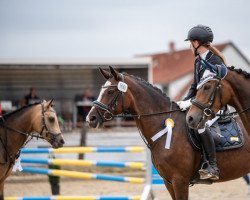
85	149
70	162
82	175
75	198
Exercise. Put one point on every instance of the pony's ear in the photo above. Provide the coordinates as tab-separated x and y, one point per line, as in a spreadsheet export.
49	103
114	73
105	73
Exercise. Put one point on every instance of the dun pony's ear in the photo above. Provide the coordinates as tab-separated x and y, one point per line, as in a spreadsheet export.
114	73
50	103
105	73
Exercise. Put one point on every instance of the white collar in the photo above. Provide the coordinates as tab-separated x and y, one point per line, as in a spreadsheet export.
203	56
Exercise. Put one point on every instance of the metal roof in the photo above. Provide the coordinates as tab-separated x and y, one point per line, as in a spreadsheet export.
75	63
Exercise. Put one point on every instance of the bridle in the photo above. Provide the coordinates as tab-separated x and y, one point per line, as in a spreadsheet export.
44	131
207	108
110	108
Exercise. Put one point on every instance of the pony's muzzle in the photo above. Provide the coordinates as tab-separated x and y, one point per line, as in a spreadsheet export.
58	141
92	120
194	120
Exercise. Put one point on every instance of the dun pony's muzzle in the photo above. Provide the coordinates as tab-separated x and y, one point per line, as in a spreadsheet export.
57	140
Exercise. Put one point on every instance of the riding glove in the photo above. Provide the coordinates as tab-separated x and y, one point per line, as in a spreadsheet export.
184	105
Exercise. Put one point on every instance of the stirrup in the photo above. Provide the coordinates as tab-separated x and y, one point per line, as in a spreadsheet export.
205	174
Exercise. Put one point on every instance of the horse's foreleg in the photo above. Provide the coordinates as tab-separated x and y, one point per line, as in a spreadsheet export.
170	190
181	187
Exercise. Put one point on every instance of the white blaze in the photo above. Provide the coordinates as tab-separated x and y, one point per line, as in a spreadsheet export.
99	98
103	90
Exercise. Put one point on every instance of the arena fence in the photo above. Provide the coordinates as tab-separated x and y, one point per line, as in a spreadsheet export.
76	198
152	177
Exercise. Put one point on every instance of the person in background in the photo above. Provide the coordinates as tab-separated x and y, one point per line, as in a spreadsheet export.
84	104
86	99
31	97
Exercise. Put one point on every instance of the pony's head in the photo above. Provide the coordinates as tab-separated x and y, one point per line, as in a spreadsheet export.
210	97
45	123
112	100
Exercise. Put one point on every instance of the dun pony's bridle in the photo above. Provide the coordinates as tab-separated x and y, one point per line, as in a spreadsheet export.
31	135
45	131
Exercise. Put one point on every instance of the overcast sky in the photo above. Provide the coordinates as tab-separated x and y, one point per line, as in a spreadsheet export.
114	28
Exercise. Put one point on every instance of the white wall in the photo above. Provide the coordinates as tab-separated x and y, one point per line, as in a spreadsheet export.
235	59
176	86
232	57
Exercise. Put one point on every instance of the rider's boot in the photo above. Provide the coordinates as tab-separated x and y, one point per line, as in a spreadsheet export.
210	171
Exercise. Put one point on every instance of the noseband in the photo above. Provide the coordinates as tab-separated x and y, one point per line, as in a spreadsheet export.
207	108
109	109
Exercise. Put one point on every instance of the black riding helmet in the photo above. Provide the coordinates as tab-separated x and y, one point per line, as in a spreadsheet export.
201	33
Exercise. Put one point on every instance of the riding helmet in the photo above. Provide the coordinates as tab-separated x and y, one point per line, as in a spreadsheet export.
201	33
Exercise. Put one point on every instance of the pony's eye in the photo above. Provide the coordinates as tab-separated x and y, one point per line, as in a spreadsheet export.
207	87
51	119
111	91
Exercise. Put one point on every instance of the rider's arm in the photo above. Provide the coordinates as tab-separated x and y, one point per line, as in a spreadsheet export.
192	90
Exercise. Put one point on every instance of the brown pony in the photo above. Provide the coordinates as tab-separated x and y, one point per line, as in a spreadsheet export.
178	165
17	126
232	90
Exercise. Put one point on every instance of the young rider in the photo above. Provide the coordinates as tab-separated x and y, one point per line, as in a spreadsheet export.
200	38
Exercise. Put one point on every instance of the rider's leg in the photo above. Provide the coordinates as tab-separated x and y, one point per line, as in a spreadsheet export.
211	171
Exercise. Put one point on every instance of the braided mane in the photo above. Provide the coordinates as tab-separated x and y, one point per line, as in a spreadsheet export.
141	80
240	71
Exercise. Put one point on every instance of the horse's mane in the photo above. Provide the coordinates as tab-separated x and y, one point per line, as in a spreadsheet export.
141	80
20	109
240	71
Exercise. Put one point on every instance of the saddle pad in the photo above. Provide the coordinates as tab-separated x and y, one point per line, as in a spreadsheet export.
230	136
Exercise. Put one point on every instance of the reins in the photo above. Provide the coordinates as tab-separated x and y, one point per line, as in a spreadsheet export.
138	116
233	113
23	133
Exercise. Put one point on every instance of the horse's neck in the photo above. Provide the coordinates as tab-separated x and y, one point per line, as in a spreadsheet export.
18	122
241	96
148	104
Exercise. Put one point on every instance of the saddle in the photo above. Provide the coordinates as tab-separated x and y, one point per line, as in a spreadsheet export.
226	132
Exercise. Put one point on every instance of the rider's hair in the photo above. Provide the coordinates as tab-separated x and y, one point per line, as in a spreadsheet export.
215	51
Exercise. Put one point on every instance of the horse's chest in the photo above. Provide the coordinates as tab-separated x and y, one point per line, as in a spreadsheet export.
5	171
162	162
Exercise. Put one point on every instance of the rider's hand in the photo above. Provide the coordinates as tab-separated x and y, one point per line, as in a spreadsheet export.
184	105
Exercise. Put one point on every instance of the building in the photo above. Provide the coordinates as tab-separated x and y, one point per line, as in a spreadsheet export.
173	70
61	80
